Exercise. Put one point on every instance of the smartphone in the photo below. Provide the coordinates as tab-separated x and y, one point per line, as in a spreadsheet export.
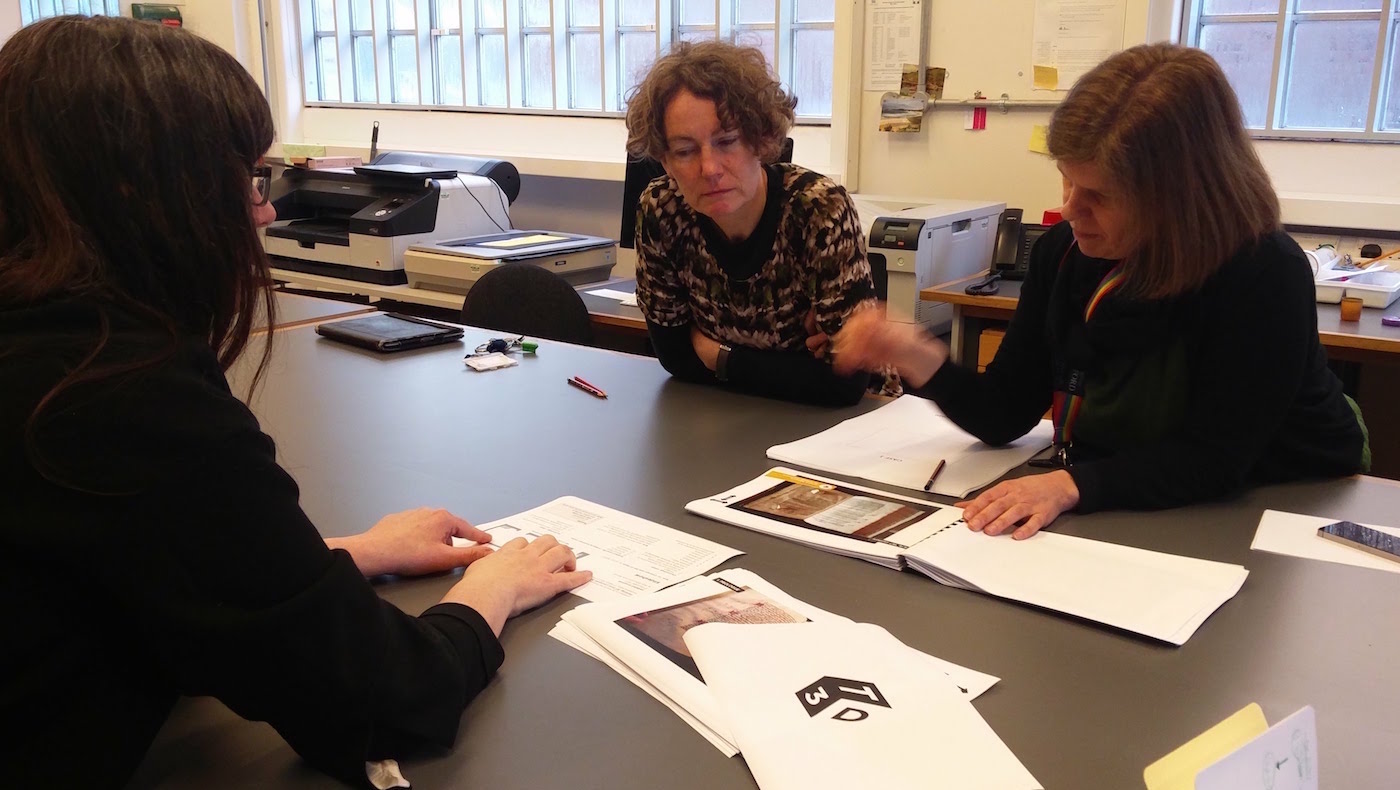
1371	541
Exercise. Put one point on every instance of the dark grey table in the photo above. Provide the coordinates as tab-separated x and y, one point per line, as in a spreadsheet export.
1083	706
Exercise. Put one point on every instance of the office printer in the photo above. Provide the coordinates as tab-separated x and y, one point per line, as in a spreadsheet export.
924	243
454	265
356	223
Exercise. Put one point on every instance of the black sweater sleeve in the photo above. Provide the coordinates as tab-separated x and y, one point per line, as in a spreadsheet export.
231	592
788	375
1003	403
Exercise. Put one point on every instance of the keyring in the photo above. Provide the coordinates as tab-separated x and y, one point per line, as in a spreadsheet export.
505	345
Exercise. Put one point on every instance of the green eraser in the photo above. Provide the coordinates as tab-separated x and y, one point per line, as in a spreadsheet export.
529	346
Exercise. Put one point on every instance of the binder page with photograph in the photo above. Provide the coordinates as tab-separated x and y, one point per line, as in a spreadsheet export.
903	442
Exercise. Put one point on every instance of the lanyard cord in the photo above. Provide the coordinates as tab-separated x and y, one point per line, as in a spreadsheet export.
1069	401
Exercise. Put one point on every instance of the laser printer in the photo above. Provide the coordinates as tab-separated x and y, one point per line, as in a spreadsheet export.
923	243
356	223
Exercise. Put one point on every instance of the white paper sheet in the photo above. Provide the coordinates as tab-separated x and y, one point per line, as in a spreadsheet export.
892	37
609	629
627	555
610	293
1075	35
901	443
1282	758
1296	536
838	705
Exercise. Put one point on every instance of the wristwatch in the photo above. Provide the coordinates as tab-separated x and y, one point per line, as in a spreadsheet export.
722	362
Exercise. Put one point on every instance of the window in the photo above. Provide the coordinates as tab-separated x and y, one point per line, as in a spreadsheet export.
33	10
1312	69
553	56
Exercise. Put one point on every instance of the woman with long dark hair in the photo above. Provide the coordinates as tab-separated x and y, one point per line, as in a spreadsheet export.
150	545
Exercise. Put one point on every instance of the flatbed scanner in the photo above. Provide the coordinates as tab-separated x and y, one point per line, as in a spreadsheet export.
454	265
357	223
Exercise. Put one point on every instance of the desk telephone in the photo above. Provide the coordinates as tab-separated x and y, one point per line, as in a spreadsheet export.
1011	255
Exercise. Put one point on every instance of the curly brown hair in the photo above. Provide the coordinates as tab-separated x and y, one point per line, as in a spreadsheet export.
746	95
1163	122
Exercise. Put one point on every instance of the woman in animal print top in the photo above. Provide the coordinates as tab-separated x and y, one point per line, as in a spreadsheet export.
744	265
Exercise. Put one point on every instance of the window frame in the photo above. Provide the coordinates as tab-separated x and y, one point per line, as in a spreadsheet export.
30	11
470	36
1287	18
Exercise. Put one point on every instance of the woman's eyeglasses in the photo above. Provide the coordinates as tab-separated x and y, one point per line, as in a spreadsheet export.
262	183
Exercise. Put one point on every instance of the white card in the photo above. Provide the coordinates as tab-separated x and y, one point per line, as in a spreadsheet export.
1283	758
490	362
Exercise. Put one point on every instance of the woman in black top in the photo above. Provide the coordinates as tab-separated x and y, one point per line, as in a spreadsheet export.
1168	324
744	264
150	545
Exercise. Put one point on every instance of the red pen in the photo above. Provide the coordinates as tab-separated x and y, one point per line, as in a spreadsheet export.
586	387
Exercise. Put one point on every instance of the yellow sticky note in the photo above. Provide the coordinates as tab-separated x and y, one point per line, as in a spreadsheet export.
1047	78
1037	142
1177	771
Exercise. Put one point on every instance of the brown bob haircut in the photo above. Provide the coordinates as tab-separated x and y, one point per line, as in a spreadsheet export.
125	183
1162	123
747	98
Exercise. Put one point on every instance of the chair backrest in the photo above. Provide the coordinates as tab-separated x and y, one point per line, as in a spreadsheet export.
641	172
524	299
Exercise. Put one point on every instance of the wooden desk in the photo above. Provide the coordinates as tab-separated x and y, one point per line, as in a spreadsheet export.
1081	705
1364	341
295	310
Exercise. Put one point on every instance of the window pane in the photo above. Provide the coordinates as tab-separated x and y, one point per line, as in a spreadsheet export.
1390	113
697	12
637	12
1339	5
365	88
586	66
325	15
534	13
361	16
1329	77
492	51
761	40
492	13
449	14
756	12
1239	7
449	69
401	15
812	55
585	13
330	76
816	10
636	51
1245	52
699	35
539	71
403	61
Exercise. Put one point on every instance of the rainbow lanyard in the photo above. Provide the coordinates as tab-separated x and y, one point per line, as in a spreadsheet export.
1070	400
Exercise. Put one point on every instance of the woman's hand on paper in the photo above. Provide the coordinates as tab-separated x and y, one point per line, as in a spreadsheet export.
869	342
414	543
1026	504
520	576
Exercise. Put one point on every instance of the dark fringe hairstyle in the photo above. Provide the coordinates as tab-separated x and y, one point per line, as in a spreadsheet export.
1163	122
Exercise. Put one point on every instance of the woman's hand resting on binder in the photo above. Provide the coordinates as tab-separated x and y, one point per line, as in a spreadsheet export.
1024	503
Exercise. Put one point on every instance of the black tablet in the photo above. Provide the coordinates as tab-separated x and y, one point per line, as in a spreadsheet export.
389	332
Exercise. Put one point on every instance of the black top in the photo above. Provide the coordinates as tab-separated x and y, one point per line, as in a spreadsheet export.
1187	399
175	560
807	254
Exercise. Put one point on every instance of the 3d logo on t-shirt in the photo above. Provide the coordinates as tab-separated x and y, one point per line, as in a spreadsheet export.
827	691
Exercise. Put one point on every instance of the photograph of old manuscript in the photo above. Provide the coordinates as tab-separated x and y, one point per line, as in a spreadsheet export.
663	630
833	509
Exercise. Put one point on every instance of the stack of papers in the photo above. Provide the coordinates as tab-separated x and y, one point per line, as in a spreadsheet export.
1163	596
627	555
843	705
643	639
900	444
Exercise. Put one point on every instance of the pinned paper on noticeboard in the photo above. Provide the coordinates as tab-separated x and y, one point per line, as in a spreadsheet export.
1047	78
903	112
1037	142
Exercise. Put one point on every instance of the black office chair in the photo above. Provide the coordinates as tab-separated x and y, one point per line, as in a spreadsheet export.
523	299
641	172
